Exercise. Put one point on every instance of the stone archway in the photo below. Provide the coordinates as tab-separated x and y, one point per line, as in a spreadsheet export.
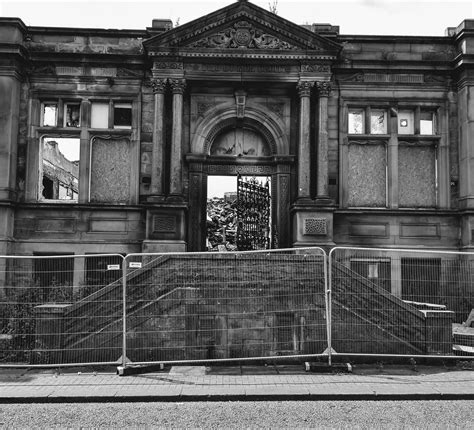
222	154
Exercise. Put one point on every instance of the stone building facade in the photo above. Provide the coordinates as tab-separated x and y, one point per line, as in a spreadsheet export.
367	140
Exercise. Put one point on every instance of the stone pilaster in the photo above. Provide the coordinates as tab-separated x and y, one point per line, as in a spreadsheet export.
159	88
304	91
392	161
176	181
324	89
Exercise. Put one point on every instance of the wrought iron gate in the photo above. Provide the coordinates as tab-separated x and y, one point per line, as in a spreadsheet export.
253	214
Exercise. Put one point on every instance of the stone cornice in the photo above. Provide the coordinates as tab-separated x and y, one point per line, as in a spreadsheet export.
249	54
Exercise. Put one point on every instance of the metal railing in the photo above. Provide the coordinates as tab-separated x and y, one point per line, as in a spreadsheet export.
234	306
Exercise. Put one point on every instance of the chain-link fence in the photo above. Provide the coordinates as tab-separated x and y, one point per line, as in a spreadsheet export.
224	306
52	309
400	302
259	305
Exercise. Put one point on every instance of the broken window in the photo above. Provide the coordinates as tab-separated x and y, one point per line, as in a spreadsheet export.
378	122
406	122
49	114
356	122
122	115
72	114
59	169
108	115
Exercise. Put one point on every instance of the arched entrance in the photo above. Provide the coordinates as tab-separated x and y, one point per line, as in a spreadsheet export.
239	147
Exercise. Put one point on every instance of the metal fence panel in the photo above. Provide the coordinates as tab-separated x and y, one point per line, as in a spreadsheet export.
400	302
53	309
225	306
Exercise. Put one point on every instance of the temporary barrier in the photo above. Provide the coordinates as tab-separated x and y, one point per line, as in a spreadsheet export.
197	307
67	310
52	308
399	302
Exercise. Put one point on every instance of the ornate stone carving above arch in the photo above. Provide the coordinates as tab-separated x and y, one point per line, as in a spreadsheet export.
217	122
247	123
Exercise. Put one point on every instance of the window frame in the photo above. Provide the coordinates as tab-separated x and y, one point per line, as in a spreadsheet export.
392	141
84	132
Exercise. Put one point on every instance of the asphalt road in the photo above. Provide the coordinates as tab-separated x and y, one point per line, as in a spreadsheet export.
291	414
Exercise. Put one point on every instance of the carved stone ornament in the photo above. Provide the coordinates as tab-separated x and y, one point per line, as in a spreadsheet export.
173	65
242	35
158	85
177	85
315	68
304	88
324	88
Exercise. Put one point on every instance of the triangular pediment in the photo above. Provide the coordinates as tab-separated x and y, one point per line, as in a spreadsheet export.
241	28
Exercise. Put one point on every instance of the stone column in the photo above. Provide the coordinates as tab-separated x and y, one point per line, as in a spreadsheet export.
304	91
324	89
159	87
176	181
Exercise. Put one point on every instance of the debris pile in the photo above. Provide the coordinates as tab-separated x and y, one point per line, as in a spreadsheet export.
222	223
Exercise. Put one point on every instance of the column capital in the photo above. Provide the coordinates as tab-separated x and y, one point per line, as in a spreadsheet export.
159	85
177	85
304	88
324	88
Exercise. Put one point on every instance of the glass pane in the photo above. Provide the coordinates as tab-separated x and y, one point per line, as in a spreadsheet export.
427	123
406	121
356	122
50	111
100	115
72	115
122	115
378	122
59	170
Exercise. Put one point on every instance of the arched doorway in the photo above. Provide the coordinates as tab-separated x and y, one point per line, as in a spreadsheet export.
246	148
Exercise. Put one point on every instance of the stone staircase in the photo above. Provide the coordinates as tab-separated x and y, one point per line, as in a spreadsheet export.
368	319
165	288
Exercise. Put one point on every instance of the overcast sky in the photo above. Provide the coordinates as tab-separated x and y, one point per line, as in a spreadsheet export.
417	17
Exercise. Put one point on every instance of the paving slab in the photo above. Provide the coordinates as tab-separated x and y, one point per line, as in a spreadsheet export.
253	383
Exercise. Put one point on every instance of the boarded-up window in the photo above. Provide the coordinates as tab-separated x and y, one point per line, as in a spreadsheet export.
110	170
417	176
367	175
99	115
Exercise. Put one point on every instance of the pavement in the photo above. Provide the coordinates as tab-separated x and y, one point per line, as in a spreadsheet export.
271	382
